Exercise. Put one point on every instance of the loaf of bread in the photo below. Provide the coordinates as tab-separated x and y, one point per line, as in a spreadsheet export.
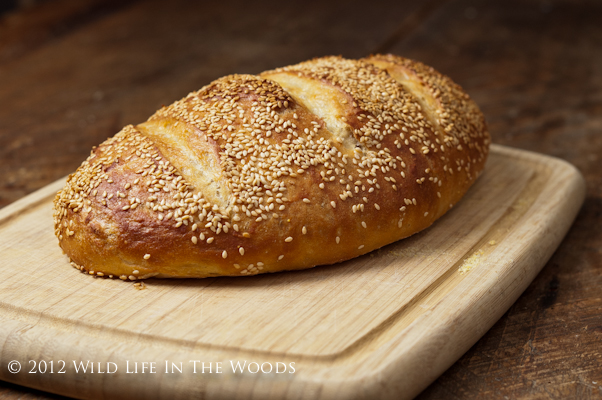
305	165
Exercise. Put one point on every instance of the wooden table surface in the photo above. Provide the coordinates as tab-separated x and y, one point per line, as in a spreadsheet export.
72	73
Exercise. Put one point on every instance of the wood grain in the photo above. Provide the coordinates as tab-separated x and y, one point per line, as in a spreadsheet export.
408	310
24	30
120	67
534	70
533	66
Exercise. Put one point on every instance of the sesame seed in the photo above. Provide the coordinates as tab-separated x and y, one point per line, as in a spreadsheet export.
304	230
338	240
194	240
224	254
241	250
147	256
333	204
364	224
288	239
254	166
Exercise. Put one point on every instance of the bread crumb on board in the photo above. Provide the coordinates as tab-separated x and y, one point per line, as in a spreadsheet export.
471	262
139	286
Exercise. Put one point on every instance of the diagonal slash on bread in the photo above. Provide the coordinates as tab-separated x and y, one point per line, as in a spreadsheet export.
305	165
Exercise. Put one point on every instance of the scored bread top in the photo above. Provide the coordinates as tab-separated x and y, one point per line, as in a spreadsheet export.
304	165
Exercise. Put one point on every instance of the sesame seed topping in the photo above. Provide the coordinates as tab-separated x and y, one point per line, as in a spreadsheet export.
265	141
288	239
147	256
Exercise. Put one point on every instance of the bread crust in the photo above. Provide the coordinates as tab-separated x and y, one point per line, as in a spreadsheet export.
305	165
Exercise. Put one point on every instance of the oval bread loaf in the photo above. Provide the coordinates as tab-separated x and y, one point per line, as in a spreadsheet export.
304	165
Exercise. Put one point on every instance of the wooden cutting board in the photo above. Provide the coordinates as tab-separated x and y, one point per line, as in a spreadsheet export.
384	325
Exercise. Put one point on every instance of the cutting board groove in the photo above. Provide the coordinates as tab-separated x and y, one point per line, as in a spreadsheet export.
385	324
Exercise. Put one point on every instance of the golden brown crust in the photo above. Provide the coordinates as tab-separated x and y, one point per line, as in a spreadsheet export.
305	165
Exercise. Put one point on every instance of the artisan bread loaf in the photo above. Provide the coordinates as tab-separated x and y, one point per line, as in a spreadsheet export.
300	166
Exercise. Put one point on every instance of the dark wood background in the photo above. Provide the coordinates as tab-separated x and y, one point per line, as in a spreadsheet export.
72	73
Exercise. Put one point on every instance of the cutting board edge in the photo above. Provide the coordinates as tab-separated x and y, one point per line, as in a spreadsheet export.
420	378
39	196
376	379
